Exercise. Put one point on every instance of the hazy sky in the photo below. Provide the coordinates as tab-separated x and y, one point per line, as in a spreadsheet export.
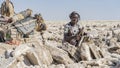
60	9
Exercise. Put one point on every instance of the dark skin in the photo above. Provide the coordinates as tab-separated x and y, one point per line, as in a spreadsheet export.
74	21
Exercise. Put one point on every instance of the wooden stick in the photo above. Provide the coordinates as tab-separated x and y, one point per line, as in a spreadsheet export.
82	38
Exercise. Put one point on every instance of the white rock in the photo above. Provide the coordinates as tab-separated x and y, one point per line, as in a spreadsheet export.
59	55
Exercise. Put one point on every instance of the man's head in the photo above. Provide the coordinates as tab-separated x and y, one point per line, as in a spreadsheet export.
7	1
75	17
36	16
29	12
39	18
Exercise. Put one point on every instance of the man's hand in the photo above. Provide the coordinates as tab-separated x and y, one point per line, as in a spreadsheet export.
78	37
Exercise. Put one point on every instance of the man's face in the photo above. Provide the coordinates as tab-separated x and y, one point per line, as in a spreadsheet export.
7	0
74	19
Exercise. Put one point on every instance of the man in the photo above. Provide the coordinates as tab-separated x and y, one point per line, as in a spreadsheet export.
72	29
40	25
7	9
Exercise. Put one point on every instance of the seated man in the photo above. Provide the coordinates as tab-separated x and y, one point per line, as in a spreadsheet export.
72	29
7	9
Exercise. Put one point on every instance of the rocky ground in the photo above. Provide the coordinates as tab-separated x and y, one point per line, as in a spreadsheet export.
47	51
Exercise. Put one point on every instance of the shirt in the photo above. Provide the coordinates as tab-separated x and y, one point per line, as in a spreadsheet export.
73	29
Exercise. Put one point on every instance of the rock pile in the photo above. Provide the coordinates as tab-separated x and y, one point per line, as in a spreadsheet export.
103	51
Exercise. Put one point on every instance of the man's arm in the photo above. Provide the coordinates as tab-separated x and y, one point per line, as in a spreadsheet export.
43	26
68	38
67	34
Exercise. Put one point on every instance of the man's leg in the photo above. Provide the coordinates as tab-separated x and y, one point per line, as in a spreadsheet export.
2	36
